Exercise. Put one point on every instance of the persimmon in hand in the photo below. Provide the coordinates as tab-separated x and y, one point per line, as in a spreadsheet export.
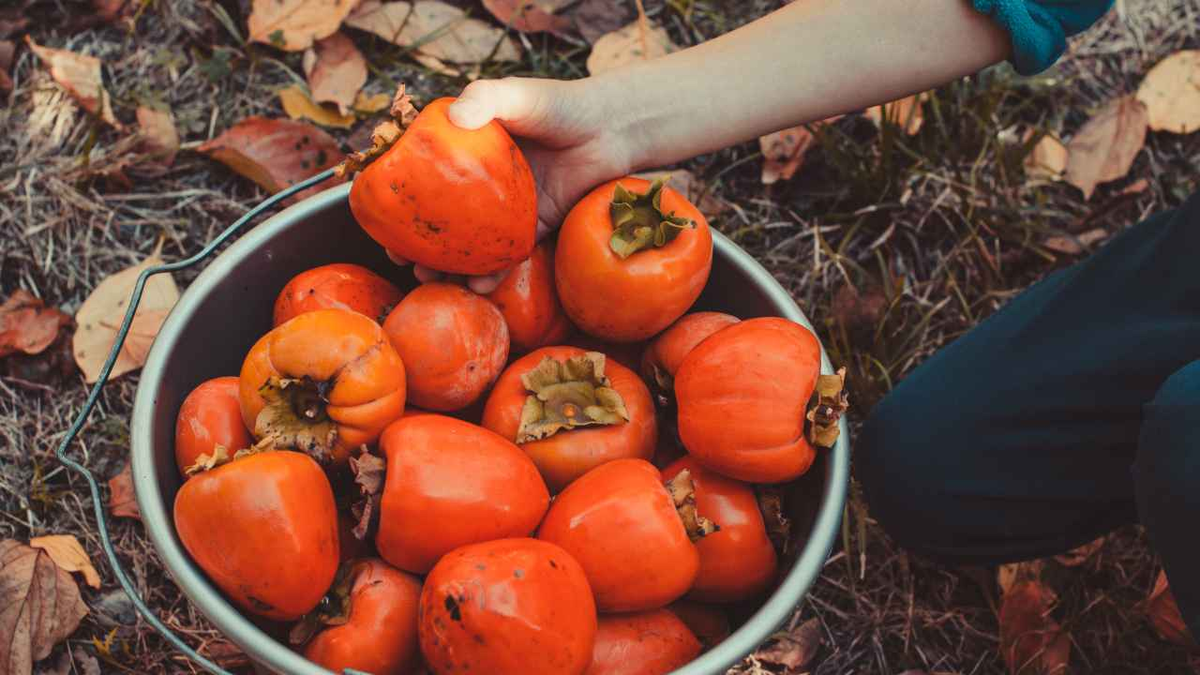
210	416
337	286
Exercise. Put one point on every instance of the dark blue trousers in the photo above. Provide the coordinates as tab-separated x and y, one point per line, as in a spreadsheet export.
1073	410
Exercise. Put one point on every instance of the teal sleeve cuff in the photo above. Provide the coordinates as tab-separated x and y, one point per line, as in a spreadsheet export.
1039	28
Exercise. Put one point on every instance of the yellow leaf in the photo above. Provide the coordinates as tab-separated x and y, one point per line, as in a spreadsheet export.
79	75
66	552
371	104
1047	161
436	30
293	25
298	105
1171	93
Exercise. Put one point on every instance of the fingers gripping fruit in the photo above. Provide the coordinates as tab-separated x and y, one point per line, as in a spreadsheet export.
453	200
738	562
324	382
742	397
529	302
453	344
450	483
623	526
632	257
507	607
210	417
264	528
370	623
662	358
644	643
572	410
337	286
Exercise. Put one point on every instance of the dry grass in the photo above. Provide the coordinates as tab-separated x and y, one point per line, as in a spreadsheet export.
936	231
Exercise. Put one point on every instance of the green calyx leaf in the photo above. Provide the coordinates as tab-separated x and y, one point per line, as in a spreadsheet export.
639	222
568	394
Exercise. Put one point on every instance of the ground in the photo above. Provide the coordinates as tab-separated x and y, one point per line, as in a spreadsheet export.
935	231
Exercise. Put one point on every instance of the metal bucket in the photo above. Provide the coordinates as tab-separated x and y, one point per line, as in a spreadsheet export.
228	307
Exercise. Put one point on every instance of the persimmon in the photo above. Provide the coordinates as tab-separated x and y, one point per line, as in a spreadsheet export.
453	342
743	394
337	286
738	562
662	358
707	622
654	642
450	483
507	607
529	302
572	410
369	622
454	200
632	258
264	528
324	382
623	525
209	417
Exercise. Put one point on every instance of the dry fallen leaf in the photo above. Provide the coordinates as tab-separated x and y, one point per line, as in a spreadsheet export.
1047	160
1074	246
793	650
905	113
1032	642
79	74
102	312
122	502
293	25
66	552
784	151
629	45
1106	146
298	105
530	16
39	606
1163	612
439	32
594	19
159	135
336	71
1171	93
276	153
686	184
371	104
27	325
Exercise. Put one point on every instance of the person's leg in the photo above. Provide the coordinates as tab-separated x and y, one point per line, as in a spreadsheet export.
1167	475
1016	441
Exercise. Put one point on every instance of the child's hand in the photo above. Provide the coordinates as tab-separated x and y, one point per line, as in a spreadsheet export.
568	137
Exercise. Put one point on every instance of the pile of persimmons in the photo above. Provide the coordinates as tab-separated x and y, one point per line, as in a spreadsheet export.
566	475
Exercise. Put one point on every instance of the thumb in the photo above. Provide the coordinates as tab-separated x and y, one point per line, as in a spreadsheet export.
512	100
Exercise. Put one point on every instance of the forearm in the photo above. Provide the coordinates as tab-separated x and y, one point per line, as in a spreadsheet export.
808	61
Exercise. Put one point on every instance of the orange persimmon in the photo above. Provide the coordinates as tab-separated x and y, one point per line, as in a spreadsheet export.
662	358
337	286
210	416
653	642
529	302
707	622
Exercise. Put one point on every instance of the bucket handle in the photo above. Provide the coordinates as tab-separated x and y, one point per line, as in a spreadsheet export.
61	452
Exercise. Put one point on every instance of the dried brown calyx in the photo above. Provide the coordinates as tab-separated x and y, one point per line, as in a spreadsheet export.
683	493
778	526
220	456
566	394
383	137
295	417
369	472
639	222
332	610
829	402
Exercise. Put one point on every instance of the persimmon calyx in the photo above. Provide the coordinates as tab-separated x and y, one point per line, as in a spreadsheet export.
829	402
220	456
568	394
639	222
332	610
369	474
294	417
385	135
777	525
683	493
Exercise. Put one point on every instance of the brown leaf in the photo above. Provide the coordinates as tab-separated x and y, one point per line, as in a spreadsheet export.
1047	160
1163	613
80	76
276	153
530	16
859	311
39	606
686	184
905	113
158	133
370	472
226	654
594	19
293	25
1171	93
27	325
336	71
438	31
298	105
1106	146
1032	642
66	552
122	501
102	312
784	151
794	649
7	50
629	45
1078	556
1011	574
1075	245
